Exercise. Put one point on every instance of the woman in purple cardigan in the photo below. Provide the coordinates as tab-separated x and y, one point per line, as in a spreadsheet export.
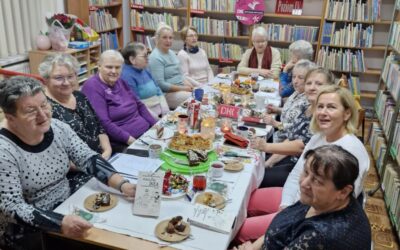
122	114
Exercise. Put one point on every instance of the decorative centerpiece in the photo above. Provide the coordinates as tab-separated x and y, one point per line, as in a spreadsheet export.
60	27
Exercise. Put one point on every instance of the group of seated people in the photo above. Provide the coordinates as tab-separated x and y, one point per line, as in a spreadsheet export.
55	138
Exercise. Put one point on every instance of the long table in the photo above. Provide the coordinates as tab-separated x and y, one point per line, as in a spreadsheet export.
122	228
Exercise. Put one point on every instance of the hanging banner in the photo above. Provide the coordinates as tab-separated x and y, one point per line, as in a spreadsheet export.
249	12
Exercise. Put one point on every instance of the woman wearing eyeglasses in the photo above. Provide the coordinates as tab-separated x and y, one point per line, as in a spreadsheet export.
262	58
194	62
71	106
141	82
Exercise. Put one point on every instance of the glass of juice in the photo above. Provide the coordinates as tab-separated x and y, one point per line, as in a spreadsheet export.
199	182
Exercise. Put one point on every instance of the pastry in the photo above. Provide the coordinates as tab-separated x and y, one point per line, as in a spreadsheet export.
102	200
192	158
202	154
160	131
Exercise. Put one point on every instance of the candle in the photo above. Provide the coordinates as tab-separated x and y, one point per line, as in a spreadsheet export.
208	128
226	125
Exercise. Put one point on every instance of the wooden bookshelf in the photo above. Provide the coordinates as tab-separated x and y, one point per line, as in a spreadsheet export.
279	16
374	50
83	8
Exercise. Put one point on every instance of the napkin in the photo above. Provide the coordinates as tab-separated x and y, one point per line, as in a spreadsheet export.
251	119
253	122
237	140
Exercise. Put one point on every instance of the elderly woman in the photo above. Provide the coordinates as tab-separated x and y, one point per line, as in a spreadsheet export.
141	82
298	50
194	62
294	137
327	215
333	122
122	114
165	68
296	104
36	151
72	107
261	59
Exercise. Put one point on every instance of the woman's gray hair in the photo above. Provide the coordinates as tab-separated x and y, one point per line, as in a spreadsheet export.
259	31
305	64
302	49
161	27
131	50
110	53
58	59
16	87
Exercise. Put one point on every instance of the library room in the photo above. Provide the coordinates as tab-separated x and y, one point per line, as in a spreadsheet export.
199	124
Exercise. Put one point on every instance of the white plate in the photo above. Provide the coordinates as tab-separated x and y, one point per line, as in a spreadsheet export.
261	132
173	196
168	133
224	76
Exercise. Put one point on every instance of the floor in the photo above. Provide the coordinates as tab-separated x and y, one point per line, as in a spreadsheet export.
383	234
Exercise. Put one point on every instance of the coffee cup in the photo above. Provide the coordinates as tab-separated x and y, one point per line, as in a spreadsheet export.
242	131
217	169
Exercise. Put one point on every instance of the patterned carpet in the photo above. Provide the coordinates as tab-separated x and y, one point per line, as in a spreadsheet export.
383	235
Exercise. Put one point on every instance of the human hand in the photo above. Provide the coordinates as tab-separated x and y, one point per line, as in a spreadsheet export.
131	140
129	190
268	119
272	108
257	143
289	65
106	154
245	246
266	73
188	88
74	226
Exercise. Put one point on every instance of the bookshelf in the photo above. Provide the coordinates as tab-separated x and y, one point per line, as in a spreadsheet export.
205	15
353	41
87	59
385	136
104	16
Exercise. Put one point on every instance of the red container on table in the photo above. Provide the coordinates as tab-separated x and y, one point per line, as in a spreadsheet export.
194	114
199	183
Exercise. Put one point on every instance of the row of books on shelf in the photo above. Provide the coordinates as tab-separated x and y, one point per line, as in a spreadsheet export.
222	50
354	10
212	5
385	107
354	85
377	142
285	55
397	5
216	27
109	40
149	20
101	2
391	188
395	36
285	32
102	20
395	147
341	60
351	35
391	74
159	3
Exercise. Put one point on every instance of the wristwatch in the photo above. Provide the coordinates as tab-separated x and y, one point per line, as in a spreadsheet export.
119	187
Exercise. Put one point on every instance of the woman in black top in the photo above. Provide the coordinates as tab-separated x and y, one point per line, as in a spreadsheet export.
71	106
327	216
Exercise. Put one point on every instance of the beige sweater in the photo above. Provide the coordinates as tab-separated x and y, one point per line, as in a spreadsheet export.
243	67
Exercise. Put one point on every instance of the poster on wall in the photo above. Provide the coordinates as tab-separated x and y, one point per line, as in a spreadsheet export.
249	12
289	7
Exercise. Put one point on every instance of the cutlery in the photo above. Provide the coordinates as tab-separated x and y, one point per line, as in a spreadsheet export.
214	205
144	142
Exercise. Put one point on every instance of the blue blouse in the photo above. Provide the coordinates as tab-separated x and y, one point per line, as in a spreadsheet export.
140	81
286	86
344	229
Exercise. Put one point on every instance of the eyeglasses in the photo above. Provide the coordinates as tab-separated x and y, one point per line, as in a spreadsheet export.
34	111
259	42
144	56
62	79
192	36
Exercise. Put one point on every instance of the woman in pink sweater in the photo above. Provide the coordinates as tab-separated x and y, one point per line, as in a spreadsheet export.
194	61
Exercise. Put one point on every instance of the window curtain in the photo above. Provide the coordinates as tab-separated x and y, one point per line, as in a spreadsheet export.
21	21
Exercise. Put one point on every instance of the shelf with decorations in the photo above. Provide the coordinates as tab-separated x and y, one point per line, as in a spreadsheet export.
104	16
355	33
387	106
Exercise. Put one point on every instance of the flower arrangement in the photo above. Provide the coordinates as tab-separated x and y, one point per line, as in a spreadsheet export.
66	20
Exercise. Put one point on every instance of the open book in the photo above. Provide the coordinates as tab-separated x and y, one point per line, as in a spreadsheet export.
211	218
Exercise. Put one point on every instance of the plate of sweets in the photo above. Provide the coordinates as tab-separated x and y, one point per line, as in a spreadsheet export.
173	230
174	185
241	88
100	202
